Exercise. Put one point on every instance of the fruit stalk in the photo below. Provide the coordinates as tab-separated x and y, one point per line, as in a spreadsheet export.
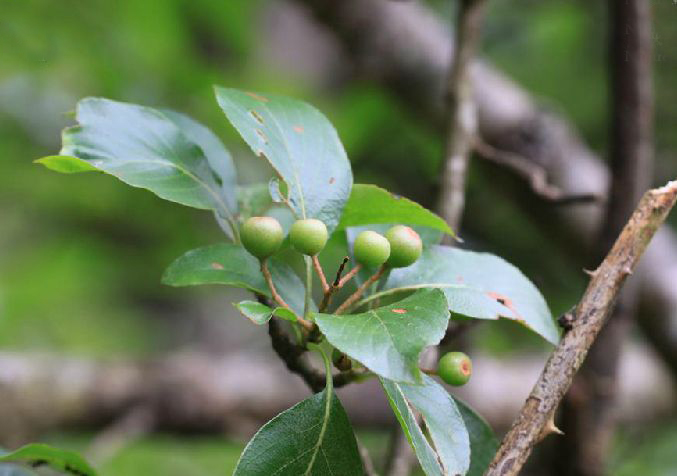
278	299
353	298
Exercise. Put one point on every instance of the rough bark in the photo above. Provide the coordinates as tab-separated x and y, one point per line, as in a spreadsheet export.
589	410
588	318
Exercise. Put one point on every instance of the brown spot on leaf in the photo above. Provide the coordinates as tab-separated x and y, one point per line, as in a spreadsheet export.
507	302
332	180
400	311
261	134
258	97
257	117
298	129
216	265
261	154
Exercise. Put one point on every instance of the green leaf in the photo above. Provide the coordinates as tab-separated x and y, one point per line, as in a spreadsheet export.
217	156
312	438
66	164
389	340
260	313
483	442
369	204
232	265
301	145
37	454
176	158
450	450
478	285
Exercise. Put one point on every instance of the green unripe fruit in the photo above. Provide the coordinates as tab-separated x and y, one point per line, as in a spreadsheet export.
308	236
261	236
371	249
405	246
455	368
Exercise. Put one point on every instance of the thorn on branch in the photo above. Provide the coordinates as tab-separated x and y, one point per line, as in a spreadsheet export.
338	283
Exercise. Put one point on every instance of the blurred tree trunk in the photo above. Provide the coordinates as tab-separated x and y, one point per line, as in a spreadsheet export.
589	410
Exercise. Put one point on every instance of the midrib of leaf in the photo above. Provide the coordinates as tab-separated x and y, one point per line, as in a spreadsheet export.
383	324
329	392
412	287
293	163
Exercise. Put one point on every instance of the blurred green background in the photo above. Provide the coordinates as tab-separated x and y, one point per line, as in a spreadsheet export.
81	256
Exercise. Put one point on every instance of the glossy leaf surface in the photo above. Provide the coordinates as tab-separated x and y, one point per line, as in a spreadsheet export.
478	285
389	340
313	438
165	152
369	204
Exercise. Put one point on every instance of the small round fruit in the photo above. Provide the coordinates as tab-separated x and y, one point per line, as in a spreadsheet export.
371	249
405	246
455	368
308	236
261	236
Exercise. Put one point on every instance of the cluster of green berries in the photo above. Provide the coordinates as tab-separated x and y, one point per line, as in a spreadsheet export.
262	236
401	246
455	368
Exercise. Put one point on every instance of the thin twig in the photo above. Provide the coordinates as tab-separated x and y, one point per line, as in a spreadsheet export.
339	271
353	298
532	172
590	315
349	275
320	273
278	299
336	285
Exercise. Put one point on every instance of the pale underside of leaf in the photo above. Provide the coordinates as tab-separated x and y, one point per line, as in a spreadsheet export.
174	157
447	451
300	144
478	285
